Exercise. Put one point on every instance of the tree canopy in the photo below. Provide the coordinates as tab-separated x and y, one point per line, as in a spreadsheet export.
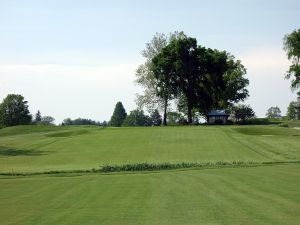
14	111
292	112
201	78
137	118
242	112
273	113
146	79
38	117
47	120
292	47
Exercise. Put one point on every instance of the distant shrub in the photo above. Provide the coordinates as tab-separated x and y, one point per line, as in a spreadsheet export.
256	121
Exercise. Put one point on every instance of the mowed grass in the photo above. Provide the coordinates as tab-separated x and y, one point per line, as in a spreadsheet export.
39	149
266	194
255	195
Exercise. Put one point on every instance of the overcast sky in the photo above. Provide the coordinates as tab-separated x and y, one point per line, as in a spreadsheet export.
78	58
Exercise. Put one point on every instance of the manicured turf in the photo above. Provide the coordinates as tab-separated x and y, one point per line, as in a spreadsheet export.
242	195
257	195
71	148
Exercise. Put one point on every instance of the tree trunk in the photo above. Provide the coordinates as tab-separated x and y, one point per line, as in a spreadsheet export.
190	119
165	112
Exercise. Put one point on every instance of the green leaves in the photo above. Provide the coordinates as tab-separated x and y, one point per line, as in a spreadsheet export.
14	111
205	78
118	116
291	44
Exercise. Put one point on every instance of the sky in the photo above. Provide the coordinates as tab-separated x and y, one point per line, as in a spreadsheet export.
72	58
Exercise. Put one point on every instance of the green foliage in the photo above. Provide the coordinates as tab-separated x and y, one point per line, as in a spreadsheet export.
137	118
201	78
175	118
273	113
235	83
170	166
177	70
292	47
145	76
260	121
47	120
14	111
38	117
118	116
156	119
81	121
292	112
242	112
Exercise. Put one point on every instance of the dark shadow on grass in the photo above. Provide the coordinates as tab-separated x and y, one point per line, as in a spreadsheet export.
5	151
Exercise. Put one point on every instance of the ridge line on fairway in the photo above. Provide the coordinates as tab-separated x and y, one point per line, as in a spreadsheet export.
247	146
100	172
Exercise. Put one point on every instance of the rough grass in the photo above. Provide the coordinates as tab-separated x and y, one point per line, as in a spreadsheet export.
148	167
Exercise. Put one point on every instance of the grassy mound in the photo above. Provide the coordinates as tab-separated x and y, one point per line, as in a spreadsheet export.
267	130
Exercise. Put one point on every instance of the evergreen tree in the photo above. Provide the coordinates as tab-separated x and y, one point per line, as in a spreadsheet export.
38	117
118	116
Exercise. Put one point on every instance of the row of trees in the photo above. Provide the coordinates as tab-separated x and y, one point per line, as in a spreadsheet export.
199	79
81	121
135	118
239	113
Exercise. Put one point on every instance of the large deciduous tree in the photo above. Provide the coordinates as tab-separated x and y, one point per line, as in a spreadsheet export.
146	79
273	112
177	68
199	78
292	47
118	116
14	111
292	110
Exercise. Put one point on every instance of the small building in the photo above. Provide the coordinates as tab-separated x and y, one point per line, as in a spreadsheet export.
217	117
